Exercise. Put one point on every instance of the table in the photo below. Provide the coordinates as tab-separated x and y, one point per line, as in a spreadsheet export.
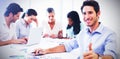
24	52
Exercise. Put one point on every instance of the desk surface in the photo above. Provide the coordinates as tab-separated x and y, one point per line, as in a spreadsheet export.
24	52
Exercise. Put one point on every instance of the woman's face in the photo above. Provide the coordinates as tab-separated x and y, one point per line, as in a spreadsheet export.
51	16
31	18
70	22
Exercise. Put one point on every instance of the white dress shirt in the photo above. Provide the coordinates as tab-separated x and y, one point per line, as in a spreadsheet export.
47	30
7	33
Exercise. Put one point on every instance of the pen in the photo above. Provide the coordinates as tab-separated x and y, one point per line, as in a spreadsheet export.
33	53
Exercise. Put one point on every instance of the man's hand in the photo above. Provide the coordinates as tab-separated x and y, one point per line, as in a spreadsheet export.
18	41
39	51
90	54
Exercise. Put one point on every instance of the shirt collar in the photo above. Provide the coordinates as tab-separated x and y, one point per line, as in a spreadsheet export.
23	21
5	24
98	30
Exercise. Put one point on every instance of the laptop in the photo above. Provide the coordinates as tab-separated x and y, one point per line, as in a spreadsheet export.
35	36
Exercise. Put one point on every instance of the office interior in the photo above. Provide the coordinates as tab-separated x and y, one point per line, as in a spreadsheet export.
109	11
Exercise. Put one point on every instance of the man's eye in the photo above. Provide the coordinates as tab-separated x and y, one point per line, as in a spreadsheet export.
90	12
84	13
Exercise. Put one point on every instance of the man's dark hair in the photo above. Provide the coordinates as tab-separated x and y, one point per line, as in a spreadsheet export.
30	12
13	8
49	10
91	3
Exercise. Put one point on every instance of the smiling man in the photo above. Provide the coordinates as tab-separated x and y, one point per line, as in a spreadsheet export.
103	39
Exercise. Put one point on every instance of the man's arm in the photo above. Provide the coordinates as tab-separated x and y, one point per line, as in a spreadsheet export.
13	41
2	43
107	57
57	49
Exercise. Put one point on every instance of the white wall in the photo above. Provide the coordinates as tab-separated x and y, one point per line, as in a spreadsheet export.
110	17
4	3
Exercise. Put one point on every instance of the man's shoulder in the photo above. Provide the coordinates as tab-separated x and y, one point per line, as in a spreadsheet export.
19	21
2	23
82	32
108	30
12	25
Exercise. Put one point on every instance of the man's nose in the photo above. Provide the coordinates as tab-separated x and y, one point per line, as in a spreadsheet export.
87	16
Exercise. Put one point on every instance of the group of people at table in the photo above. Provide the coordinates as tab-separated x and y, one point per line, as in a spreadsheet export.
95	41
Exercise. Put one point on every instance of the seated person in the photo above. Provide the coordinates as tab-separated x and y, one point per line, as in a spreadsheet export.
51	27
7	26
24	24
94	42
74	24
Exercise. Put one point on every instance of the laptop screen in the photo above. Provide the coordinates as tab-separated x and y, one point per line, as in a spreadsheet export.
34	36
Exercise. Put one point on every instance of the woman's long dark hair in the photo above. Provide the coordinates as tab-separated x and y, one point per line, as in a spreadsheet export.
73	15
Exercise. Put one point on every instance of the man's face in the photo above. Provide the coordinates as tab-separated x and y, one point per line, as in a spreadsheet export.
89	16
16	17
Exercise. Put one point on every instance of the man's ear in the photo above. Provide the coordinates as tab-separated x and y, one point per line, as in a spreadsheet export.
98	14
10	14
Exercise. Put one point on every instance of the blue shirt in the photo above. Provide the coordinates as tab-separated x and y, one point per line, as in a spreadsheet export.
103	41
21	29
